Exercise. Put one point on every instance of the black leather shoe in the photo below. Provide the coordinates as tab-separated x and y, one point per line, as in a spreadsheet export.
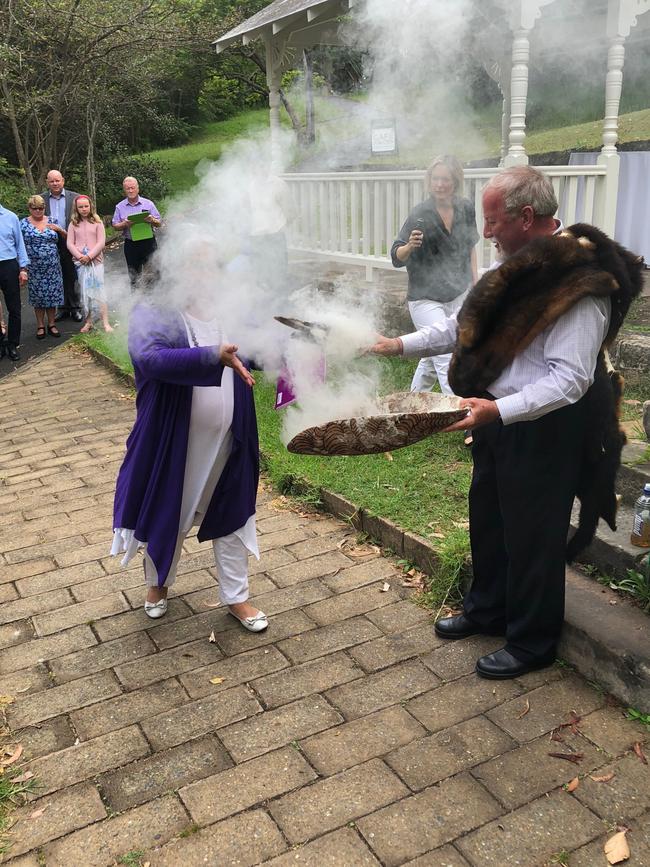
13	353
61	314
76	316
502	665
458	626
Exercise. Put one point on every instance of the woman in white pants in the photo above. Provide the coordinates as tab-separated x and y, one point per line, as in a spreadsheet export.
436	245
192	458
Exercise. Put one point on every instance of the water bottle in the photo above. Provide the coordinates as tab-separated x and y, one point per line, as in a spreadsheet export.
641	526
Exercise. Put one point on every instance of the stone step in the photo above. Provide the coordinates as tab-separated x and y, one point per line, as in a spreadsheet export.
606	639
634	472
611	551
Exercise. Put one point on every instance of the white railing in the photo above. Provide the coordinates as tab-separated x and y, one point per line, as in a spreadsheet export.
354	217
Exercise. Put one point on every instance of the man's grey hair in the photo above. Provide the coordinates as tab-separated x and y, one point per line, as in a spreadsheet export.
524	185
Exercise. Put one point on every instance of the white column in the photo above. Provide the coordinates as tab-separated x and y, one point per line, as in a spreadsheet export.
505	122
516	155
613	88
273	80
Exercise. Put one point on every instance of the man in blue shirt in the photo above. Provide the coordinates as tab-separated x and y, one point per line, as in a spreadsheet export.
13	274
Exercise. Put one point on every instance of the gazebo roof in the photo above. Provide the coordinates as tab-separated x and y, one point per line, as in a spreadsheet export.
300	15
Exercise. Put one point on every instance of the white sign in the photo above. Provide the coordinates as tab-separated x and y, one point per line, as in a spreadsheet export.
383	137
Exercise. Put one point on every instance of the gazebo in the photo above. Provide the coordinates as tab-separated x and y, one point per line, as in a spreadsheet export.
352	216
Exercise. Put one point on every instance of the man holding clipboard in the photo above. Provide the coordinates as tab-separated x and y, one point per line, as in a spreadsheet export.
136	217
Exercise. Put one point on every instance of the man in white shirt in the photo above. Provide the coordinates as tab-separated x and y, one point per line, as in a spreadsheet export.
530	427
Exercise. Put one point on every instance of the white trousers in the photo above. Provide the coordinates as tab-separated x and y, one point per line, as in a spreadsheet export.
231	560
426	312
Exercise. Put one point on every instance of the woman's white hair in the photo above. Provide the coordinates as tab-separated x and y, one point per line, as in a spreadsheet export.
525	185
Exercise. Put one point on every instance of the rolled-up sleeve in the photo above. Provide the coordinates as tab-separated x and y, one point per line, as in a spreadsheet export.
570	353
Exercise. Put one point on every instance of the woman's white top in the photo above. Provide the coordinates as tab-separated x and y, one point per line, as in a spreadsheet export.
208	448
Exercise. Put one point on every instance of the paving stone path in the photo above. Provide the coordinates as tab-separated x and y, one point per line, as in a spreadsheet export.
348	734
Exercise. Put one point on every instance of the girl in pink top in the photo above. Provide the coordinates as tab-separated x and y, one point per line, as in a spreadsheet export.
86	241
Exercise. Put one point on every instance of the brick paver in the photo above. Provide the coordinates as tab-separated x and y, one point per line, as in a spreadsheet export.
347	735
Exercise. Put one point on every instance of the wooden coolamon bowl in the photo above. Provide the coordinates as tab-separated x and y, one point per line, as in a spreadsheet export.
407	418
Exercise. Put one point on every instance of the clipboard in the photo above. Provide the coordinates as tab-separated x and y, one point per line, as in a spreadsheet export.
140	231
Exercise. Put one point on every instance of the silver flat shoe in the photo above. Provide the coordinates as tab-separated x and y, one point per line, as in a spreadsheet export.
254	624
155	609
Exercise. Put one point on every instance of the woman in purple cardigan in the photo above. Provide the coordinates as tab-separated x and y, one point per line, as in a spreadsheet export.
192	457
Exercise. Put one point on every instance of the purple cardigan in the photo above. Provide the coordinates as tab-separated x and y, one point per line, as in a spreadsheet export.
149	487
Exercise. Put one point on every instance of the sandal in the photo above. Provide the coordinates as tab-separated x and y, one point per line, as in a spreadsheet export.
40	333
53	331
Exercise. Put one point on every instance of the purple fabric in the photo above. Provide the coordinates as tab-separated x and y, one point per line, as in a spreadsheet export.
149	487
125	209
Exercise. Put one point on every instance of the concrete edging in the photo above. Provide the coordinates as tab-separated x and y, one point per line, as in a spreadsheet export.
605	638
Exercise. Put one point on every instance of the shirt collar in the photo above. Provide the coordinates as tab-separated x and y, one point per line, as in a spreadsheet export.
60	196
138	201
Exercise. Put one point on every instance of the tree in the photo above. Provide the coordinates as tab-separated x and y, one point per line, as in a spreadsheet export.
55	89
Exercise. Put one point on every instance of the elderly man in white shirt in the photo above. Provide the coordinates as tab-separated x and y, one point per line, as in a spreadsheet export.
530	425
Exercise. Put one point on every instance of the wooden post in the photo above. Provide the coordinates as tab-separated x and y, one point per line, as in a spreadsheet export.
273	80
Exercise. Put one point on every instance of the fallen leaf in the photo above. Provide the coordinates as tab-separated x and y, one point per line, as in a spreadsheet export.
437	535
212	604
604	779
613	602
17	753
212	639
569	757
23	777
388	456
616	848
6	699
38	813
217	680
557	736
637	750
573	785
385	587
525	710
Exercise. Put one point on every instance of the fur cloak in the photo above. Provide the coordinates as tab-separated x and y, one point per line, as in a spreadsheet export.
512	304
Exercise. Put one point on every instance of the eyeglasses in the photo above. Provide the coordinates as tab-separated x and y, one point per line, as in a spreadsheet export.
37	207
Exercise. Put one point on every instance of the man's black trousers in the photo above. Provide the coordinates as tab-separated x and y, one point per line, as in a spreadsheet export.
137	254
520	503
10	286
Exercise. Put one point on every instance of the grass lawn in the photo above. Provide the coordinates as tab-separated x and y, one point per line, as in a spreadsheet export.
207	145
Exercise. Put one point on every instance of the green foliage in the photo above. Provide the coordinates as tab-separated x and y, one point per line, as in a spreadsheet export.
132	858
13	192
445	585
151	174
12	794
637	584
223	97
634	714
